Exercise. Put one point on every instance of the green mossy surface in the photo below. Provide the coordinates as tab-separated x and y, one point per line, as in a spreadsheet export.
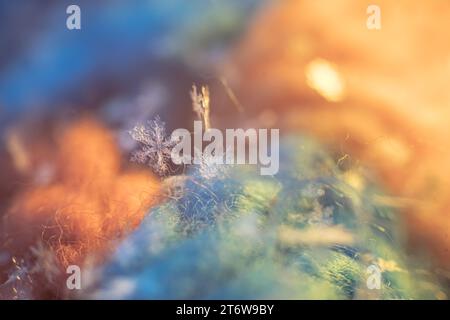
227	238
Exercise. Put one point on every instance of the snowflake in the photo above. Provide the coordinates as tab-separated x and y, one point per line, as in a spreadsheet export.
156	147
45	263
213	166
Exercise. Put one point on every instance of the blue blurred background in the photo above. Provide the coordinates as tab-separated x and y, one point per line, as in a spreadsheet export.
124	48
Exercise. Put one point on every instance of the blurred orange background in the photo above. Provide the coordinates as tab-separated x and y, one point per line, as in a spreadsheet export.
379	98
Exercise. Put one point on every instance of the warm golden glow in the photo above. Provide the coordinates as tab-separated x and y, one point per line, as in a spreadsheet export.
378	97
323	77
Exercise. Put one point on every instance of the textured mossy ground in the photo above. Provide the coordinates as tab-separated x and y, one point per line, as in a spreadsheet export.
310	232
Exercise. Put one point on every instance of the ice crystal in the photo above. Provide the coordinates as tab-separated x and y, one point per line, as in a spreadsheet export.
155	146
213	166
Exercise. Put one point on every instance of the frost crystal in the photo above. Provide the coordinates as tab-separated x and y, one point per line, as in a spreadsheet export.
213	166
155	146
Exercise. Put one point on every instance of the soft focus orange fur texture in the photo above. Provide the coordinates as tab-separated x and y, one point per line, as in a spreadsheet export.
89	205
395	111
